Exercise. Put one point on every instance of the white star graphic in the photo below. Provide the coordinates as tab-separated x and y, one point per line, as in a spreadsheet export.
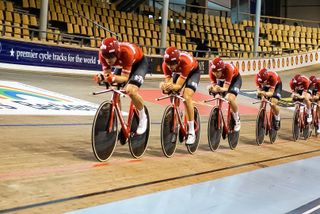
12	52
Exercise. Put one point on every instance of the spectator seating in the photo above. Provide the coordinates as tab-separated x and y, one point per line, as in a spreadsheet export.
16	20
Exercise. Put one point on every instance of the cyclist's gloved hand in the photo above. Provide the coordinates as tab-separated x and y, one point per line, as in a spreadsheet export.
98	78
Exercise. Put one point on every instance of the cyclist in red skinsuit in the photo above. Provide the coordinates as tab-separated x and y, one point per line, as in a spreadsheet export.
314	90
124	62
226	78
299	85
269	84
181	69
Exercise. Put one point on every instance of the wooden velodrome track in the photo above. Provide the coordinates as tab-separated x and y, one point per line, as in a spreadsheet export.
47	164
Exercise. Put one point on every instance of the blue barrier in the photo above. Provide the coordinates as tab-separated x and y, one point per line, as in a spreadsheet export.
26	53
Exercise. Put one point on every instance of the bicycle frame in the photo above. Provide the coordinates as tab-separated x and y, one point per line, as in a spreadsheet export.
267	118
175	101
219	102
116	107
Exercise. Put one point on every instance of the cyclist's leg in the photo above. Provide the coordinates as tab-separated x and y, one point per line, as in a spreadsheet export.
136	79
232	94
191	86
275	108
307	97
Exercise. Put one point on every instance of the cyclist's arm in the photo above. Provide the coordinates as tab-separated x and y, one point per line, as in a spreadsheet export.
182	78
270	92
225	87
121	78
296	95
108	76
260	92
306	95
178	85
228	79
107	71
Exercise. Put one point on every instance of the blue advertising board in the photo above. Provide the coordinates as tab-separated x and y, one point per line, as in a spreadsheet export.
26	53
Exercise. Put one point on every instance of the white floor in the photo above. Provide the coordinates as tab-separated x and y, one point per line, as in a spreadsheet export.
279	189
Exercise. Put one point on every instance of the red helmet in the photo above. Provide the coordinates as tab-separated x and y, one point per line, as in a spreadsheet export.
313	79
172	56
263	74
297	79
109	48
217	64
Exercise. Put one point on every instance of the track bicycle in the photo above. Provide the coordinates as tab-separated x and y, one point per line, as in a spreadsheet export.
173	125
265	122
221	124
105	127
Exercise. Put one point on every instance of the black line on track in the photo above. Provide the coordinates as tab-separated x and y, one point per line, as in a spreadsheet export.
14	209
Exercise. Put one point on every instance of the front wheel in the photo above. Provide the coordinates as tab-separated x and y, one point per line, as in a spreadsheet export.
197	126
138	143
214	129
168	133
103	137
260	127
295	125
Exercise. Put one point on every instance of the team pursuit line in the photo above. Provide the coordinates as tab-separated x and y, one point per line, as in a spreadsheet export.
149	183
89	124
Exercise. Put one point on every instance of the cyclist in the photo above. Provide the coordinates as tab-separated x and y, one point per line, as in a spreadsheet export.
124	62
314	90
299	85
225	78
269	84
181	69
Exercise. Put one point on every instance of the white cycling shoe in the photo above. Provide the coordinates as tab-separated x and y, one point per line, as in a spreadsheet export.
237	126
191	139
309	118
143	124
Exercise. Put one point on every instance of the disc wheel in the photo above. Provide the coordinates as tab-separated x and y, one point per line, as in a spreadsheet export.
306	129
260	127
103	138
138	143
295	126
273	132
214	130
168	135
197	126
233	136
